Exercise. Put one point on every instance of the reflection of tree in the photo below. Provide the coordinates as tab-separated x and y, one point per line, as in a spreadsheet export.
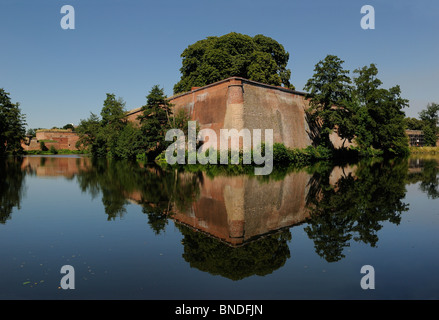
428	177
11	186
355	206
164	191
158	191
107	178
259	257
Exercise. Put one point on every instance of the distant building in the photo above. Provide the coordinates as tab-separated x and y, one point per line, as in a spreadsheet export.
58	138
416	138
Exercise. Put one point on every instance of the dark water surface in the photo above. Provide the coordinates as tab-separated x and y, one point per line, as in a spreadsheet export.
133	232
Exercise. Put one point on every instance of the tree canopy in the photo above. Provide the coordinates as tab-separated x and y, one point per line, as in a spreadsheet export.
112	135
357	108
155	120
257	58
101	136
12	125
381	119
328	89
430	117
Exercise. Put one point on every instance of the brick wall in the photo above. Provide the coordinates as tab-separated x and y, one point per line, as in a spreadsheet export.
62	139
237	103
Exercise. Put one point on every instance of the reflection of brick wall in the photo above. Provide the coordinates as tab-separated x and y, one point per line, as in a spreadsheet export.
63	139
66	166
236	209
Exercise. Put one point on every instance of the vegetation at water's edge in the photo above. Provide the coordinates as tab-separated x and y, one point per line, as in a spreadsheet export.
424	150
52	152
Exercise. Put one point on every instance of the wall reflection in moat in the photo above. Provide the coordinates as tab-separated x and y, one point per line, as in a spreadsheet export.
244	220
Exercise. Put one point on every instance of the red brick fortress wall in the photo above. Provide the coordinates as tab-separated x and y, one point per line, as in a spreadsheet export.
237	103
59	138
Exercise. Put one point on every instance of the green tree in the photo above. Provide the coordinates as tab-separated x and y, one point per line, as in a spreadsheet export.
430	117
43	146
328	89
380	120
430	114
31	132
100	136
113	111
363	112
430	137
257	58
88	131
69	126
12	125
113	122
155	120
414	124
129	143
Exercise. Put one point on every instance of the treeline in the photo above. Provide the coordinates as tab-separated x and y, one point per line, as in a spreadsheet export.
12	125
112	135
357	108
428	123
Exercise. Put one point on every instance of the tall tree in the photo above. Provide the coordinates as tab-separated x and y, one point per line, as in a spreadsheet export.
414	124
380	119
100	135
155	120
257	58
430	117
328	89
12	125
88	131
113	121
113	111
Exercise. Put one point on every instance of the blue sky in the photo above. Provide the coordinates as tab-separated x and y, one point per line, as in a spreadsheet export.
125	47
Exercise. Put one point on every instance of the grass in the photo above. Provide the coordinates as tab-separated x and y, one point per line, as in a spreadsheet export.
424	150
48	152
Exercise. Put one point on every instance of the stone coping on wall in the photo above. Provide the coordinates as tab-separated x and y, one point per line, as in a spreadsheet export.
238	79
55	130
242	80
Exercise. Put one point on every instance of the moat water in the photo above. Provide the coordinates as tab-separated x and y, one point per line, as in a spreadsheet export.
140	232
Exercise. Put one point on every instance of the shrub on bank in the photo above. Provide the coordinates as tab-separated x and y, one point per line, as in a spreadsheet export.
282	156
424	150
51	152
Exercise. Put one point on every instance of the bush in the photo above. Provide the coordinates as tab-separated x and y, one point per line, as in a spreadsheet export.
43	146
281	155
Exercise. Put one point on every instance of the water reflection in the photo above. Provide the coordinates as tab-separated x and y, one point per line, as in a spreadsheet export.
11	187
355	206
260	257
240	225
426	172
